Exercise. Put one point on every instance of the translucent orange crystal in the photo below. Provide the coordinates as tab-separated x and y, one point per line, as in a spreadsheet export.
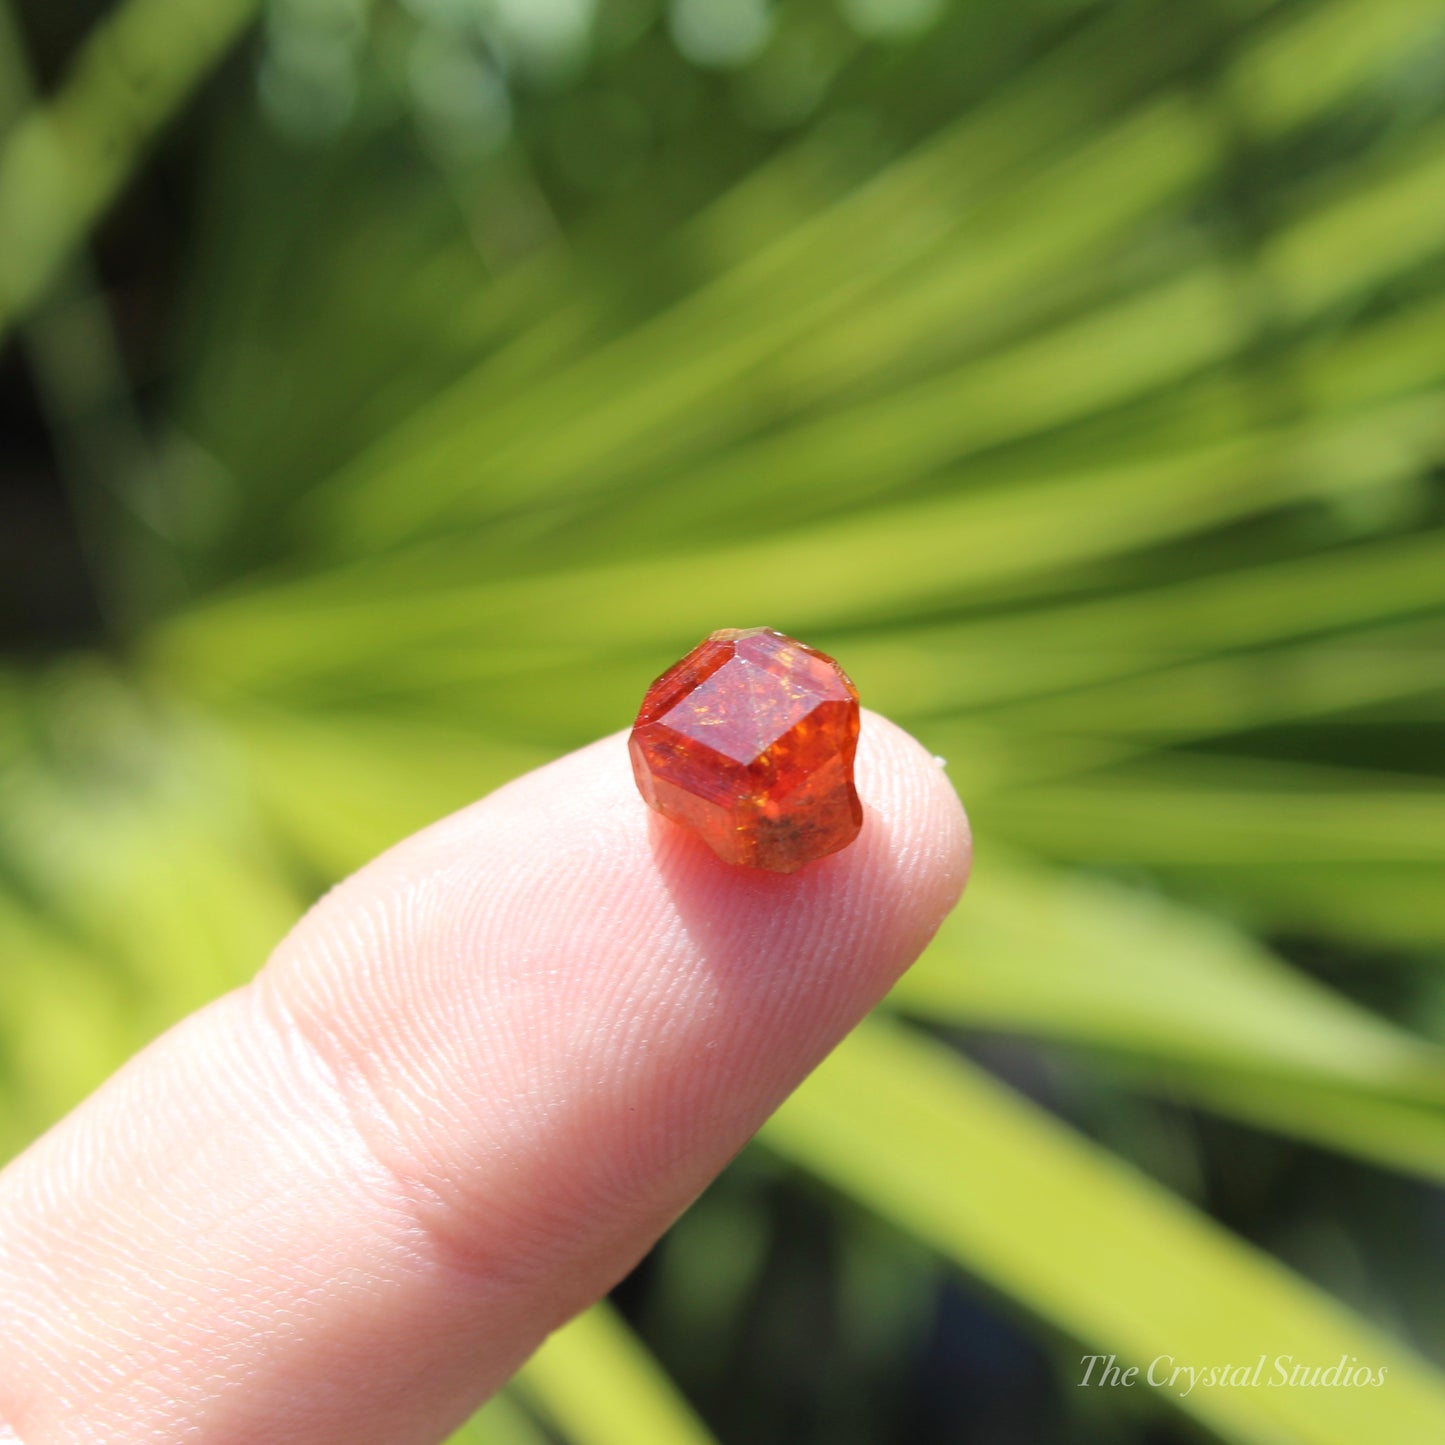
749	741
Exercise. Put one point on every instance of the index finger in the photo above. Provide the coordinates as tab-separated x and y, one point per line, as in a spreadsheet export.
465	1095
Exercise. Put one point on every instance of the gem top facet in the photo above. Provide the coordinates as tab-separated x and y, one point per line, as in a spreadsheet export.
749	741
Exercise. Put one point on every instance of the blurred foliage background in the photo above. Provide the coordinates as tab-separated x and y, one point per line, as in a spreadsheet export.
392	389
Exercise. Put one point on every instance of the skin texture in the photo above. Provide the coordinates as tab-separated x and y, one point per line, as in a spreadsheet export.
465	1095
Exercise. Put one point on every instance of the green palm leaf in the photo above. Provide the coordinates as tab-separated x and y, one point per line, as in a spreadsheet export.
1112	1258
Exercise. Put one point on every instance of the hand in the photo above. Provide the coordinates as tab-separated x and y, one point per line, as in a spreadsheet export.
467	1093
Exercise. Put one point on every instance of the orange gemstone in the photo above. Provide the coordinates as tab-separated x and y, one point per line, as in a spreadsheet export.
749	741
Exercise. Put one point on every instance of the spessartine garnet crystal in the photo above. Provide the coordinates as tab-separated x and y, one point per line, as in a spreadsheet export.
749	741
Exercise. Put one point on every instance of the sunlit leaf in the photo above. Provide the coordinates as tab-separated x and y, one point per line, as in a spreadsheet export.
1232	813
1107	1255
1210	1013
501	1421
598	1384
65	161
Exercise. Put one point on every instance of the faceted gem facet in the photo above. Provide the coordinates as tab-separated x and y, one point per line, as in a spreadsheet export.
749	741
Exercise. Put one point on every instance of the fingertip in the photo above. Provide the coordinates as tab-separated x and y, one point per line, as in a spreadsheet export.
908	788
803	956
